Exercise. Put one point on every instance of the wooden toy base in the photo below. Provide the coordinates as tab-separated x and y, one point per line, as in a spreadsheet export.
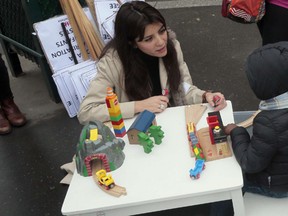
116	191
212	151
193	113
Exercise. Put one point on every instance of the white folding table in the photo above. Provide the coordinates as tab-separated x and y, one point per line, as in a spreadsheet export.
160	180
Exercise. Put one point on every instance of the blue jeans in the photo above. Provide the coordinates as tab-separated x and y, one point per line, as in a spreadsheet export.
252	188
225	208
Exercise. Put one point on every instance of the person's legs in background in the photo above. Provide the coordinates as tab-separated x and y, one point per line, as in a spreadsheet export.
273	26
9	111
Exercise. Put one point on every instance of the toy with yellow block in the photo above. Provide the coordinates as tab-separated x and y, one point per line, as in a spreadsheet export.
115	113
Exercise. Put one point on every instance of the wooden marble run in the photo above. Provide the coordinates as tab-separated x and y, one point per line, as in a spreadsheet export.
115	113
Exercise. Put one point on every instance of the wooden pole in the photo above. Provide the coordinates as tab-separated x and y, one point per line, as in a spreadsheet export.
83	28
67	9
86	28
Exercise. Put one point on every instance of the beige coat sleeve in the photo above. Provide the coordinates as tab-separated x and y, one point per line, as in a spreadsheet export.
109	74
193	95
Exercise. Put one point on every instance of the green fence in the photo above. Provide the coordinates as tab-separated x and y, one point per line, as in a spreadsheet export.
16	35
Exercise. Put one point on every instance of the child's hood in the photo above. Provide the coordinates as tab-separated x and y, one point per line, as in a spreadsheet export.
267	70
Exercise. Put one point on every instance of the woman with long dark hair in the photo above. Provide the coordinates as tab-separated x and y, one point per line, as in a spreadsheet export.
139	63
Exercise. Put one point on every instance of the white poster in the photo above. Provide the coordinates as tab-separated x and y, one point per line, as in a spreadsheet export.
106	12
54	43
72	84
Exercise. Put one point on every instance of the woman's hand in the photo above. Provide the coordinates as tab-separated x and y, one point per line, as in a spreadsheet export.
155	104
216	100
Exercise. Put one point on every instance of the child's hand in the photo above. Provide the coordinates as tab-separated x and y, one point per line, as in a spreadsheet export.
228	128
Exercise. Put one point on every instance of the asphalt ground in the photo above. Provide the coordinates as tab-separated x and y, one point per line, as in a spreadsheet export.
215	50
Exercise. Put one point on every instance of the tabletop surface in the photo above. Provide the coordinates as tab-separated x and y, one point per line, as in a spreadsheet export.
160	175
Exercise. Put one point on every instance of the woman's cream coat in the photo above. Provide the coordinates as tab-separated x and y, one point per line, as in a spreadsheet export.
110	74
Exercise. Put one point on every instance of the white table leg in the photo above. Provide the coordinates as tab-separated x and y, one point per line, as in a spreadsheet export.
238	202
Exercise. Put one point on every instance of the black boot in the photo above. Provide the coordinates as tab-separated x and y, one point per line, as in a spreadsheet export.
12	113
5	126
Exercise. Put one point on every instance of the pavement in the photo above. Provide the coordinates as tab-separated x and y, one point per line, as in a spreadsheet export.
215	50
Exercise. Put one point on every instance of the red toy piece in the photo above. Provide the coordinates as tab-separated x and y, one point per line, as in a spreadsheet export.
216	130
212	122
165	92
216	99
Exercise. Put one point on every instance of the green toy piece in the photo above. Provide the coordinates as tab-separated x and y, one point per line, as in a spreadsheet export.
156	132
146	142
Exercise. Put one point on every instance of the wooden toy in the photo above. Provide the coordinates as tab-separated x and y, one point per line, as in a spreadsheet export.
194	142
145	141
105	182
105	179
198	152
98	144
216	131
156	132
141	124
248	122
193	113
210	151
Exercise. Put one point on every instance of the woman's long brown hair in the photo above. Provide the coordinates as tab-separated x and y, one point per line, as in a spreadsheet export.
130	23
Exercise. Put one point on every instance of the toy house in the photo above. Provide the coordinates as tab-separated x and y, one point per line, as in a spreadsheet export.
141	124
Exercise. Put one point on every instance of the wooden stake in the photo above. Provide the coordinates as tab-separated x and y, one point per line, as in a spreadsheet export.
86	28
67	9
83	28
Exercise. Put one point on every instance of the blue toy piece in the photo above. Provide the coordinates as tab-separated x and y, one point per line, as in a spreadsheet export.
199	166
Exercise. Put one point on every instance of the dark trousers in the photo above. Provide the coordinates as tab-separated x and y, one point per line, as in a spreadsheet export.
273	26
5	90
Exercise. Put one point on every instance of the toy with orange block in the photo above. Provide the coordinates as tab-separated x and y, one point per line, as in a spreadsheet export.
115	113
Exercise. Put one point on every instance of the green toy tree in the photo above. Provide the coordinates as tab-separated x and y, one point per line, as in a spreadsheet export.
146	142
156	132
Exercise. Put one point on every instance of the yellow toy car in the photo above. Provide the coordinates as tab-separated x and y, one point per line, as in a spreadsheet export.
106	180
